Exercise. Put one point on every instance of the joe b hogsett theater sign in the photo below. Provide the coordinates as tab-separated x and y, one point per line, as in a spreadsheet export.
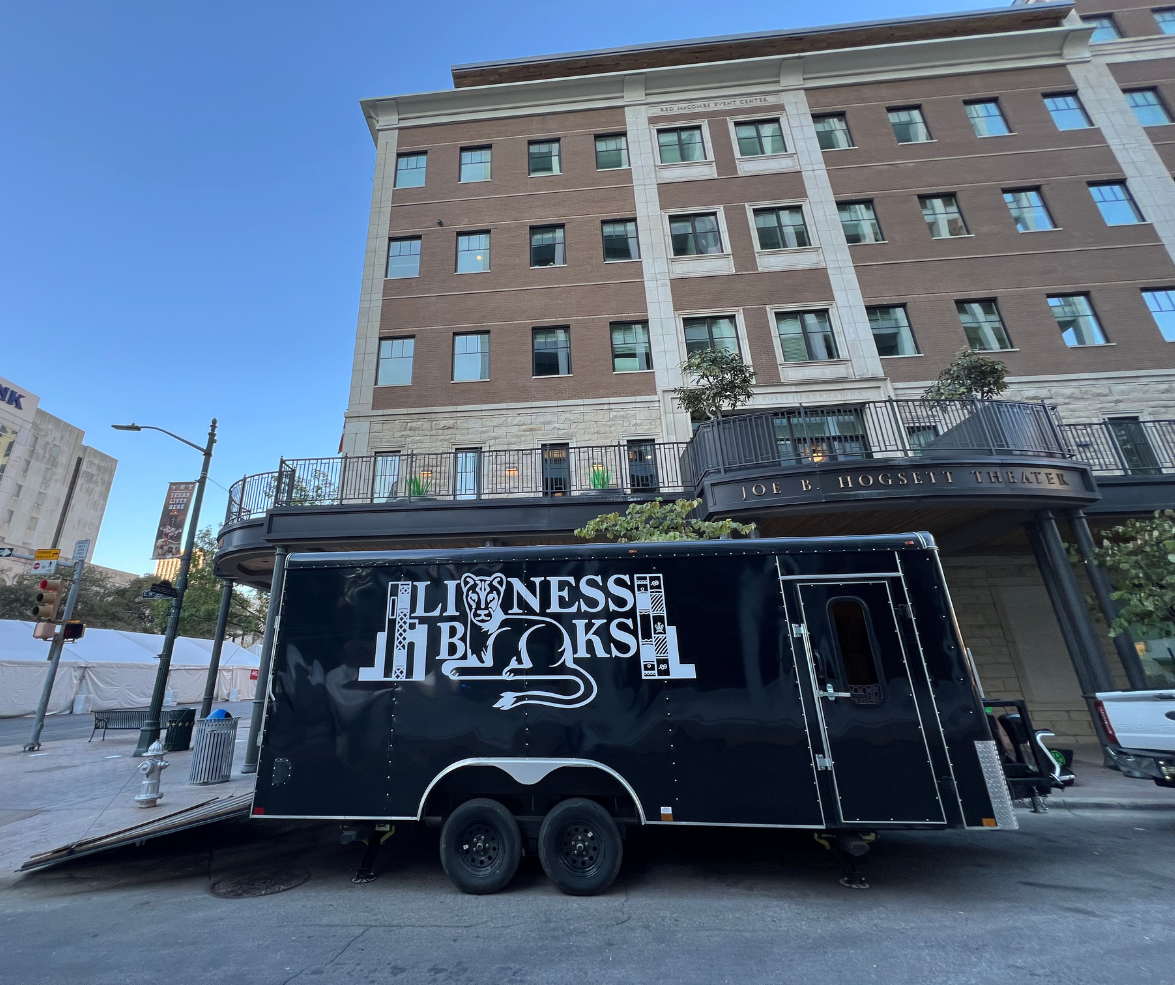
969	481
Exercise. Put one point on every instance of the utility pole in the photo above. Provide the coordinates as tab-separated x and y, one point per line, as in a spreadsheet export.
34	742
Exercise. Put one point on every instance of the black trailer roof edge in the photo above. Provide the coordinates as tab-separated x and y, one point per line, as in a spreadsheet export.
915	540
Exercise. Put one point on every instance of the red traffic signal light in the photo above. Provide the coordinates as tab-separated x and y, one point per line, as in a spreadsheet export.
47	600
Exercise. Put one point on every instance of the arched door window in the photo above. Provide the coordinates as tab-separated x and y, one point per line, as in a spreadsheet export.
857	648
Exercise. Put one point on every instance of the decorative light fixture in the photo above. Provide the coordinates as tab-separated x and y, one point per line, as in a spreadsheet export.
511	470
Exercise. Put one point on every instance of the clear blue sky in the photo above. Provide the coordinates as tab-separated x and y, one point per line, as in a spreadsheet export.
184	193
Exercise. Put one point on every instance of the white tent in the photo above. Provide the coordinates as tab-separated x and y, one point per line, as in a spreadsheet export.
115	669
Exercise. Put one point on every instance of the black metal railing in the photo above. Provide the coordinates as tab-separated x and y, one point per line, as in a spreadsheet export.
1124	447
881	429
391	477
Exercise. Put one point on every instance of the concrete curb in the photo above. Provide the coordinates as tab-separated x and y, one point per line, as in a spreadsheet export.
1125	804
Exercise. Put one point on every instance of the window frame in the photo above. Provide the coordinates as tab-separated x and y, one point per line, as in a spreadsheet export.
857	698
467	452
1162	106
916	107
556	158
1039	192
627	165
401	156
488	164
488	249
1092	313
953	196
1170	292
534	351
825	309
993	101
707	147
1139	220
734	314
648	343
844	118
485	360
994	302
1080	107
560	242
692	215
630	239
1170	11
380	358
1086	19
904	309
403	239
777	207
757	122
876	221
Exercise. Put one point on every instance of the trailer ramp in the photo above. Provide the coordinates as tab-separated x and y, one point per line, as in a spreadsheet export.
208	812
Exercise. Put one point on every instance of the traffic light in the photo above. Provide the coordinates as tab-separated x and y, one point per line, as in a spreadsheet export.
47	599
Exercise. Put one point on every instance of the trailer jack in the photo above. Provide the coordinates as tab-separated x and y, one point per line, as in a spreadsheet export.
373	838
847	847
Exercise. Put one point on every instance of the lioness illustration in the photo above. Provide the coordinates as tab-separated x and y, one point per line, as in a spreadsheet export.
499	648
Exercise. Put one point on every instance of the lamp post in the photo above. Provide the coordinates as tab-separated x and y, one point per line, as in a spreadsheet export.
150	731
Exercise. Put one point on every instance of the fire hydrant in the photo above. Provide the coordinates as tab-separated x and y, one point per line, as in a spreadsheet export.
151	768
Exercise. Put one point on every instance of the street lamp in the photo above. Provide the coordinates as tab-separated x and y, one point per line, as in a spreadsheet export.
151	728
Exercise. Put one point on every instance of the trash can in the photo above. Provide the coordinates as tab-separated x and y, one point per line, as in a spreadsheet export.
212	760
179	730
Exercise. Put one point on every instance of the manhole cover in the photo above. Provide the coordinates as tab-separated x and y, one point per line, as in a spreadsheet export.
259	884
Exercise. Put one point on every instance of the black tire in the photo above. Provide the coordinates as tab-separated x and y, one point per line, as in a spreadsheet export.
580	847
480	846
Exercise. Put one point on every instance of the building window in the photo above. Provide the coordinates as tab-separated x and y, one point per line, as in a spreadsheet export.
471	357
693	235
680	145
943	216
1028	210
781	229
404	257
1115	203
1067	112
475	163
986	118
983	325
467	473
546	246
1166	20
642	465
630	347
1104	28
556	469
543	157
395	362
1078	323
551	349
710	333
473	253
612	152
859	222
7	441
385	476
1148	108
891	331
759	138
1162	309
909	125
410	169
805	336
620	241
832	131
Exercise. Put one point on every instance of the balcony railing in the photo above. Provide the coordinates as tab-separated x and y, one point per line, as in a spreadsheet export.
1124	447
882	429
402	477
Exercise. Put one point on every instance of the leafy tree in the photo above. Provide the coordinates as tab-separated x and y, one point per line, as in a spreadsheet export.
970	375
658	520
202	599
721	379
1140	557
101	603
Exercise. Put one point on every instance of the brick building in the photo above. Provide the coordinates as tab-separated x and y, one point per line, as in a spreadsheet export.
846	207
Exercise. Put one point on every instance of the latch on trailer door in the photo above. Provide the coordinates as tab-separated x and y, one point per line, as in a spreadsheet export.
797	630
823	762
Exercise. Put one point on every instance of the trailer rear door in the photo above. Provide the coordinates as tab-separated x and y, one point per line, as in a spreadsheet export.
874	732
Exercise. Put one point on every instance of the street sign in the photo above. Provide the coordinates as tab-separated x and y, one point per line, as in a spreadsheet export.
44	567
46	554
7	551
81	549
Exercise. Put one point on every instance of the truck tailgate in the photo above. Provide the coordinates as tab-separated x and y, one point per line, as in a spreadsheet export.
1142	719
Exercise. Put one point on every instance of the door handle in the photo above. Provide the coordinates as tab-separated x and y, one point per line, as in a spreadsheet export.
832	695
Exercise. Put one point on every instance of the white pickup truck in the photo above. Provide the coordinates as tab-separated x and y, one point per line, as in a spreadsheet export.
1141	728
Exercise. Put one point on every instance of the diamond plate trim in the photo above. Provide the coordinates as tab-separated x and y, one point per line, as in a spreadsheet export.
997	787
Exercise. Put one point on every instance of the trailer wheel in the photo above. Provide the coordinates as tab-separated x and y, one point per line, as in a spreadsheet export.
580	847
480	846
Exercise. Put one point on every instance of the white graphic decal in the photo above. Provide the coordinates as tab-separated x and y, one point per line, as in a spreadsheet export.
522	642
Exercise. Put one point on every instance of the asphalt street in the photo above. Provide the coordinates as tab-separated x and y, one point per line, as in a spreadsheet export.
1070	898
16	731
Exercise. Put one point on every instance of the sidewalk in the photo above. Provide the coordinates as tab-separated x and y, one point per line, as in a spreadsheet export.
73	789
1098	787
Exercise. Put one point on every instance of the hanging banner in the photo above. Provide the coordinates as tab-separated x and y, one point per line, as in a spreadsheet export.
171	522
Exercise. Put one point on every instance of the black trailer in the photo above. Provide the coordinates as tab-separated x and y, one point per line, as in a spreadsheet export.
557	695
